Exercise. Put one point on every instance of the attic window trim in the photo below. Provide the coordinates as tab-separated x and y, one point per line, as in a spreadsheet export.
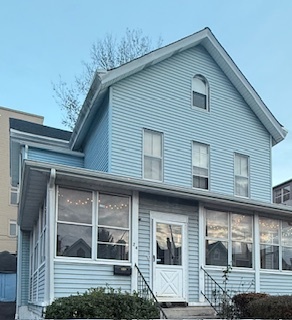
202	93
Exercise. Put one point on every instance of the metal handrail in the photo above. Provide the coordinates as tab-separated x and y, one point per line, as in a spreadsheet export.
214	293
147	293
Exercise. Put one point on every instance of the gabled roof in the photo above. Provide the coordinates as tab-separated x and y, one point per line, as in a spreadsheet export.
102	81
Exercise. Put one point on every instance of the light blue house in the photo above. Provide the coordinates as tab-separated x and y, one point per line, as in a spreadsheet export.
169	169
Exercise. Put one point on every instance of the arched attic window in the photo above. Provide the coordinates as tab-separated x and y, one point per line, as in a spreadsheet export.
200	92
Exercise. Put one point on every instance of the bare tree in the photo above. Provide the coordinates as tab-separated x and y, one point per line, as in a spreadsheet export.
106	53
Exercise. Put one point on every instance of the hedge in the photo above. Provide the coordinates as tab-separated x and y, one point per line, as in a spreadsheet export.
105	303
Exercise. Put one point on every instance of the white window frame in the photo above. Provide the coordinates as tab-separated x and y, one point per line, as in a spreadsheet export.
281	193
14	191
206	168
94	224
12	222
242	176
161	158
229	239
206	93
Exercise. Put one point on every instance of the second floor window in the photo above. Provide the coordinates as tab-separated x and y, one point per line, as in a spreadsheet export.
153	155
282	195
241	175
200	166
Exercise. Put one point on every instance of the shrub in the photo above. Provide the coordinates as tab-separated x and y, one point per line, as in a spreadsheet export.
105	303
242	300
271	307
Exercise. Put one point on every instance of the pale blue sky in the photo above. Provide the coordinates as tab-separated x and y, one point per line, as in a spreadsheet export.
42	39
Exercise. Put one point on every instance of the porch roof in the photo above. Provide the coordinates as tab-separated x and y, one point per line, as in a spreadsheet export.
37	176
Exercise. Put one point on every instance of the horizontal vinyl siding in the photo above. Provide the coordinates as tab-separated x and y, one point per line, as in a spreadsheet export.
276	284
149	203
54	157
25	254
159	98
238	281
41	283
71	278
97	144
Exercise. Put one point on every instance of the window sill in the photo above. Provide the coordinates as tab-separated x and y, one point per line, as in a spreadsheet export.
71	260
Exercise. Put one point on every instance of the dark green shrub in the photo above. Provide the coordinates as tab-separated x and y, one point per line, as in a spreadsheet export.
271	307
102	303
242	300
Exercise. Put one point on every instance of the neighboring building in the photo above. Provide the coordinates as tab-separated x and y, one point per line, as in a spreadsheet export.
282	193
8	191
168	168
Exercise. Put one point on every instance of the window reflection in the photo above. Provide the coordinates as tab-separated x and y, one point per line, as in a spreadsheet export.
74	241
216	253
168	244
74	205
113	227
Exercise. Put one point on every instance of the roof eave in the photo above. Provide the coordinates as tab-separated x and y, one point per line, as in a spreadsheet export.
37	174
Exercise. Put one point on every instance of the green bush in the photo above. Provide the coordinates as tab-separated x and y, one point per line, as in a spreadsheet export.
242	300
271	307
105	303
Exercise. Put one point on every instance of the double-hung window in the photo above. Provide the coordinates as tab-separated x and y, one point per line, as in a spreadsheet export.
200	166
229	237
241	175
200	92
275	244
93	225
113	227
153	155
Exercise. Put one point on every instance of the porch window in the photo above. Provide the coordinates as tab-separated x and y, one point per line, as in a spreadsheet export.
74	228
93	225
153	155
229	237
276	244
113	227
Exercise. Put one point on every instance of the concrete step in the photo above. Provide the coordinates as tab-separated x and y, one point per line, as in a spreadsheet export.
180	313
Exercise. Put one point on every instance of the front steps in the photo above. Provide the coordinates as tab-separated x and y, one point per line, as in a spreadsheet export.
180	312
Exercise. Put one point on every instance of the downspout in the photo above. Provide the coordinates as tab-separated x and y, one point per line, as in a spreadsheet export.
50	237
19	272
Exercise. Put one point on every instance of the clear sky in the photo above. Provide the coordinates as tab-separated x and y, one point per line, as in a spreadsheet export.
42	39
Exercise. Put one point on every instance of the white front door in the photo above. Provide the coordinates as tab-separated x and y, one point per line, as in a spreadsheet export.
169	258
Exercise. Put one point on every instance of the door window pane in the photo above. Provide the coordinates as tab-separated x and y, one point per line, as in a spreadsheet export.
168	244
